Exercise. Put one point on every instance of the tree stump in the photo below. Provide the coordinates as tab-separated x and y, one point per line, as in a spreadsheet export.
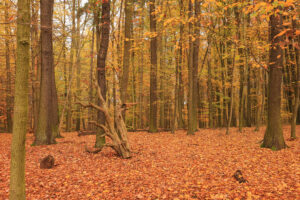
47	162
239	177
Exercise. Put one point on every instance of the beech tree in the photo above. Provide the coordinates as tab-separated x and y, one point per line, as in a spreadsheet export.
8	71
17	167
47	121
101	61
153	70
273	138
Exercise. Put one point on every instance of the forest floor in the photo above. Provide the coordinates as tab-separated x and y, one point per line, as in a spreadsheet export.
163	166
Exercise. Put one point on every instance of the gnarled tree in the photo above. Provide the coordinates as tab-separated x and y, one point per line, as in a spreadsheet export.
115	128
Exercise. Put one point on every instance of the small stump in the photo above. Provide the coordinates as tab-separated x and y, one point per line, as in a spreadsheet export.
47	162
239	177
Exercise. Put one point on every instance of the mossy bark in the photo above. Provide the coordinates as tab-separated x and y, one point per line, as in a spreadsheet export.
101	60
17	167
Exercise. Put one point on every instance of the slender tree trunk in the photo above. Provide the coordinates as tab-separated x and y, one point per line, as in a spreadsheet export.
101	60
69	104
9	100
141	71
17	165
231	93
127	47
90	111
191	117
78	66
162	58
297	82
240	65
153	71
209	90
196	46
273	138
180	69
35	64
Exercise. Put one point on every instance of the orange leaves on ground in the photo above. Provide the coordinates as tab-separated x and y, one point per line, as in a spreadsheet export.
164	166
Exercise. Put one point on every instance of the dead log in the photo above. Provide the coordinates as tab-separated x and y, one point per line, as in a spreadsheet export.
47	162
84	133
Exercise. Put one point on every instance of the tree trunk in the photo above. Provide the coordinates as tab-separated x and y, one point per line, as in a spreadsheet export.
78	66
9	100
69	104
297	82
35	63
141	71
273	138
17	165
180	69
153	71
46	124
196	46
90	111
101	60
191	116
127	47
231	68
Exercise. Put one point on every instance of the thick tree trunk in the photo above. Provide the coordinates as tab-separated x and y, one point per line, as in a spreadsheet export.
17	165
273	138
101	60
46	124
153	71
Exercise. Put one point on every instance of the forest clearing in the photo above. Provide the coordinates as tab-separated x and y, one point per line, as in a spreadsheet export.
163	166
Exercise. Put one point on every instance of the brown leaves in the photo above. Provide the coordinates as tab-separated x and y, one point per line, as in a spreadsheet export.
163	166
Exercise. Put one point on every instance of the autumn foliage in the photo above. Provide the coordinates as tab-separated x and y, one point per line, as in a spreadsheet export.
163	166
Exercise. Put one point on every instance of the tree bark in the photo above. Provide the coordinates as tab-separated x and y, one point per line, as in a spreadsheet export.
191	116
297	82
69	95
126	52
17	165
273	137
101	60
9	99
78	66
153	71
46	123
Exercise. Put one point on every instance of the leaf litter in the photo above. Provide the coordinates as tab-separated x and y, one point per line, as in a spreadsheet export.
163	166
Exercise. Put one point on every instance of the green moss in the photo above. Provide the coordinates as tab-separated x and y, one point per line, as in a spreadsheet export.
274	148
